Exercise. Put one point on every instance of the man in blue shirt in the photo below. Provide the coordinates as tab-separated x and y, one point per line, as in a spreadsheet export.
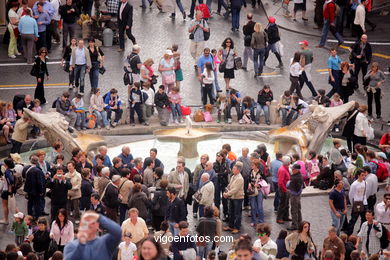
43	19
206	57
334	62
275	165
48	9
28	29
88	245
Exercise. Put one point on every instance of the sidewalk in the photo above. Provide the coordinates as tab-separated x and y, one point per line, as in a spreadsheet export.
274	8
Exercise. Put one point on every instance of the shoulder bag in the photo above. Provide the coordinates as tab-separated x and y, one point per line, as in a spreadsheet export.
358	206
206	35
222	66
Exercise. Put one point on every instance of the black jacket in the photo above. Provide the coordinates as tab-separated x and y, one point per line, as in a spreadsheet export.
263	97
59	191
40	68
114	171
161	198
79	166
161	100
99	209
41	240
139	201
367	52
176	211
68	18
127	15
35	181
207	227
349	127
110	198
222	170
296	183
86	192
248	30
273	33
346	91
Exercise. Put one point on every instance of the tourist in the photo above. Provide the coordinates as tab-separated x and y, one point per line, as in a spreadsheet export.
248	30
97	63
338	205
167	69
179	180
41	239
226	56
358	27
135	225
137	100
84	163
361	126
348	82
40	70
74	194
361	56
255	193
140	201
64	106
233	100
381	211
164	232
206	228
284	106
124	189
259	44
282	252
264	99
283	178
160	205
295	72
197	28
334	62
300	242
148	109
88	245
371	180
329	12
264	245
207	83
248	108
133	65
7	191
184	247
333	243
125	22
176	211
244	250
161	102
235	8
97	107
59	187
274	44
80	62
295	187
127	249
43	18
19	136
274	168
153	156
13	24
80	110
96	205
111	198
307	60
69	13
196	176
175	105
126	157
86	189
370	234
373	81
28	29
207	193
358	199
246	171
235	193
150	249
137	169
62	230
65	62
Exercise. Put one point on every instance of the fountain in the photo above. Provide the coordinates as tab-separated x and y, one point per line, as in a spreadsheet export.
55	128
309	131
187	137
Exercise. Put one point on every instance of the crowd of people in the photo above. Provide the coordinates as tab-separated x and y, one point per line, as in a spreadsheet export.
129	198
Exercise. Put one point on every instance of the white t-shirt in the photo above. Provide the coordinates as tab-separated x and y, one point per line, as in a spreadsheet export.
13	14
127	252
208	79
150	93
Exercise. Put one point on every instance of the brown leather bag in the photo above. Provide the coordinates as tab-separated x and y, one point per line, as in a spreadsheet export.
198	116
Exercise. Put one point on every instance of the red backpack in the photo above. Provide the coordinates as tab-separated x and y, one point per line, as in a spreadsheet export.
381	171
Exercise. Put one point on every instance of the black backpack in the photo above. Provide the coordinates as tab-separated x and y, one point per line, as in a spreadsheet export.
17	99
384	238
54	105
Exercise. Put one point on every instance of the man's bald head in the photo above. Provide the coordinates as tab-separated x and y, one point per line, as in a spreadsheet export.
249	16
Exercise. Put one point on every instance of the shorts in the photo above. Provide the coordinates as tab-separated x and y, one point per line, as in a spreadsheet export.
298	7
228	74
4	195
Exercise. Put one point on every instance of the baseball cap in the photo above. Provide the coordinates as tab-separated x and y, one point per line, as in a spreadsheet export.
271	19
306	43
382	155
19	215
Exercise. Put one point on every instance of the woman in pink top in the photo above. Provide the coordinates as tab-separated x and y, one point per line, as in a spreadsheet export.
297	160
216	62
335	102
62	230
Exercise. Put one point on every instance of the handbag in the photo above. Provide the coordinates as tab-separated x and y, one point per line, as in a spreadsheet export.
66	66
358	206
157	205
222	66
252	191
197	196
102	70
127	79
53	247
206	35
237	63
169	79
33	71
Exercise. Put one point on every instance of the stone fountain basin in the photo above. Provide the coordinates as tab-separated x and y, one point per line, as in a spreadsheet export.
180	134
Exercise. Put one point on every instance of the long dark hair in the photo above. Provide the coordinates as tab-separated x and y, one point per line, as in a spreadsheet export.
65	214
300	228
297	57
160	250
231	43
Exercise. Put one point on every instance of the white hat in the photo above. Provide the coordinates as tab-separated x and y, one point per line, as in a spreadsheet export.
19	215
16	157
169	52
115	178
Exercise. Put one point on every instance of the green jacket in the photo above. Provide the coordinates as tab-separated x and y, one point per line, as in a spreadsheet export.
20	229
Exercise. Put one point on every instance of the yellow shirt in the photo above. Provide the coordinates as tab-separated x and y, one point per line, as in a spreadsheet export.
138	231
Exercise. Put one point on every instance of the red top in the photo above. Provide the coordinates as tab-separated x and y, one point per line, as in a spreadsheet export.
283	177
134	172
329	11
385	140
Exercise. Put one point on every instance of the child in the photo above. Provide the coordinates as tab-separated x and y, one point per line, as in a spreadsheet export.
207	86
29	220
322	99
148	106
20	228
312	165
162	102
41	238
11	115
248	110
174	103
127	248
178	70
37	106
78	105
137	99
335	102
221	105
216	63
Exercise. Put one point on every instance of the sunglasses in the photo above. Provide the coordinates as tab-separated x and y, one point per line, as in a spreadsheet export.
228	42
261	234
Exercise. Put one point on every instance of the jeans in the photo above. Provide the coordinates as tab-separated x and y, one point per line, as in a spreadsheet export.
276	199
296	214
235	213
122	212
360	65
73	206
207	92
67	29
192	9
248	54
176	111
41	40
220	4
118	114
258	60
377	97
203	251
144	3
354	218
201	210
94	75
79	74
335	84
80	120
283	206
101	117
219	189
295	87
285	113
324	34
229	109
136	108
257	212
340	19
33	206
236	18
180	5
265	108
174	231
216	85
337	222
272	47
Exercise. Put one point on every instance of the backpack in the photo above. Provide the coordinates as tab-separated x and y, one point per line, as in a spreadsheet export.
54	105
91	121
315	169
17	99
384	239
381	171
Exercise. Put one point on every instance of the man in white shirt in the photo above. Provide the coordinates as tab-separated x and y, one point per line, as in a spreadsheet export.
358	199
360	17
382	211
54	20
265	246
135	225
